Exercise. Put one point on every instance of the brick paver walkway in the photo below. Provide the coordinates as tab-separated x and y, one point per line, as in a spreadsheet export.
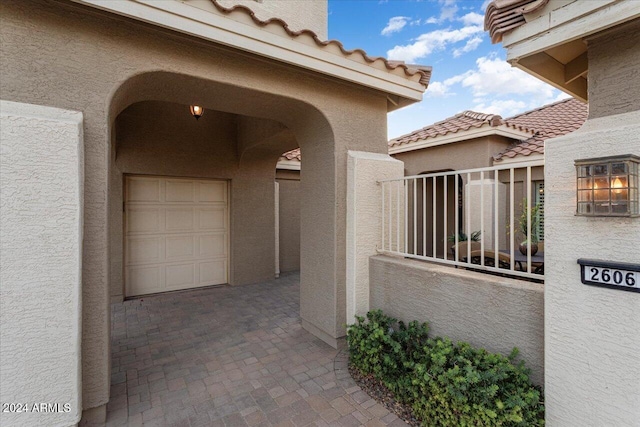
230	356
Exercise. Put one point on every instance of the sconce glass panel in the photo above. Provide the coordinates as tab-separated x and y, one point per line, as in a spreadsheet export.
608	186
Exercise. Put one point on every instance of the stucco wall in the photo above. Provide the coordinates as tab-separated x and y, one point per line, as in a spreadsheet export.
159	138
364	222
111	63
298	14
592	338
614	61
289	182
41	203
474	153
487	311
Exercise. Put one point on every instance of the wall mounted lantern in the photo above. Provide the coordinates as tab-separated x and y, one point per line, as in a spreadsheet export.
197	111
608	186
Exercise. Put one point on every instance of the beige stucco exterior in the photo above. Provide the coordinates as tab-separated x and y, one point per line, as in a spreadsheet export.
40	276
364	222
472	153
592	339
614	61
308	15
131	82
487	311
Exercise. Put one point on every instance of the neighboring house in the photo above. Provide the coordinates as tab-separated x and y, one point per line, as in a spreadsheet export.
469	140
111	189
589	49
472	140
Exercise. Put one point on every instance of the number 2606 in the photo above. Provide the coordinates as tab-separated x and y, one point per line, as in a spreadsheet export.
610	276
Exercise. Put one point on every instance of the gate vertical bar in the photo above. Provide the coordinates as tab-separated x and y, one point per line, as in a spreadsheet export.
482	218
433	210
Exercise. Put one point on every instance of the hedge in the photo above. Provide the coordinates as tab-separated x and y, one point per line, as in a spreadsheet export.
445	383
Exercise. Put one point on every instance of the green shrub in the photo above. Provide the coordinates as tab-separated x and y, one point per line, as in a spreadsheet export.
376	348
446	384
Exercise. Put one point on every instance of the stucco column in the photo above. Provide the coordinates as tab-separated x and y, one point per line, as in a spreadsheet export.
40	276
592	338
364	221
592	334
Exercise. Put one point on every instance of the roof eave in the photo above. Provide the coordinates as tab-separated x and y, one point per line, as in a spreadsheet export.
406	89
554	26
464	135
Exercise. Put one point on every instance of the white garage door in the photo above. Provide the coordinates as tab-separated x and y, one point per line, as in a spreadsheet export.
176	234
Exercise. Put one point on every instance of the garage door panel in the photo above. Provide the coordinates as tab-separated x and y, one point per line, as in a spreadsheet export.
143	220
211	218
212	272
144	250
143	189
180	275
179	219
176	234
143	280
179	247
213	245
179	191
210	192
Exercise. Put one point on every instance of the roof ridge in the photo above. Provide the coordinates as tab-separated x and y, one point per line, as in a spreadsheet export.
493	119
410	71
481	119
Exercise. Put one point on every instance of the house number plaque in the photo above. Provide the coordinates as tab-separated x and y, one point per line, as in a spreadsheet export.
616	275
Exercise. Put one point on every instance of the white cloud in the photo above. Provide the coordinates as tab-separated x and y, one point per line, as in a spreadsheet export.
503	107
498	88
447	12
471	45
561	96
493	76
427	43
472	18
395	24
438	90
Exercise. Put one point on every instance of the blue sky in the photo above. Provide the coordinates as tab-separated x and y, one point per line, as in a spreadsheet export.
469	73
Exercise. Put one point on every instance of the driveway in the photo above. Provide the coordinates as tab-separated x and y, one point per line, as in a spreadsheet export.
230	356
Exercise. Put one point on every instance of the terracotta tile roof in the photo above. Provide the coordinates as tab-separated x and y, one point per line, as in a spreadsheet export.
420	73
502	16
545	122
548	121
291	155
460	122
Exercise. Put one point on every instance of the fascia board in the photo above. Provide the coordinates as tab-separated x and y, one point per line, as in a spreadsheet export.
573	21
459	137
189	20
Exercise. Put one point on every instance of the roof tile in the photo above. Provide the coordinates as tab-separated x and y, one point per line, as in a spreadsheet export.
502	16
545	122
291	155
460	122
422	71
548	121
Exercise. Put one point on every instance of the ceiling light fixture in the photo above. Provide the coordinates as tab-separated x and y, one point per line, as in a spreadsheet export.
197	111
